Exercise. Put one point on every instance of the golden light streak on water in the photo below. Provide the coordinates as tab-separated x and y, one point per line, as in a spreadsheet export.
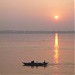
56	51
56	41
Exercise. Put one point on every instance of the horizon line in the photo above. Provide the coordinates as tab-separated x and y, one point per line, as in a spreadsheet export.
31	32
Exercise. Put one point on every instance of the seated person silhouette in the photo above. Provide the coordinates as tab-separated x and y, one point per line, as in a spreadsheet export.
32	61
44	61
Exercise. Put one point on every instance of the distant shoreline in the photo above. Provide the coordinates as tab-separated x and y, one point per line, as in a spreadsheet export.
34	32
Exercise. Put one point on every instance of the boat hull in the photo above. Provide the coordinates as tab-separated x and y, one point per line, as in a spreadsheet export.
35	64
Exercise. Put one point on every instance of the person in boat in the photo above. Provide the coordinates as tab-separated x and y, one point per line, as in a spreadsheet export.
32	61
44	61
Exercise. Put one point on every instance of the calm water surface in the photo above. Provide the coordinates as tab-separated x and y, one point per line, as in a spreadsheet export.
57	49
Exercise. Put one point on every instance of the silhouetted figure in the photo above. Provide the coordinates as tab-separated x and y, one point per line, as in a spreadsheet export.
44	61
32	61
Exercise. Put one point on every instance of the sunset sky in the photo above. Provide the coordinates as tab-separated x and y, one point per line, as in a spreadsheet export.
37	15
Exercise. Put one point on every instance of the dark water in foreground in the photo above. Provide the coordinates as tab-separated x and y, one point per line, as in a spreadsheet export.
57	49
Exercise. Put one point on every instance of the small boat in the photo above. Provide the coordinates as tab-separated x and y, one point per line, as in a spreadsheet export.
32	63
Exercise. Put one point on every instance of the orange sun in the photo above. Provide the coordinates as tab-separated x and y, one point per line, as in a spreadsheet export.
56	17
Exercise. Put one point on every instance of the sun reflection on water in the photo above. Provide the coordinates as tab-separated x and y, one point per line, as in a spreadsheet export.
56	50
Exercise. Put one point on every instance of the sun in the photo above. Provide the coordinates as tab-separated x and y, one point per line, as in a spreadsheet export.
56	17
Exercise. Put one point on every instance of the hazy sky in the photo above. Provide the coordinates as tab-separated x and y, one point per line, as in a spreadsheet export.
36	15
